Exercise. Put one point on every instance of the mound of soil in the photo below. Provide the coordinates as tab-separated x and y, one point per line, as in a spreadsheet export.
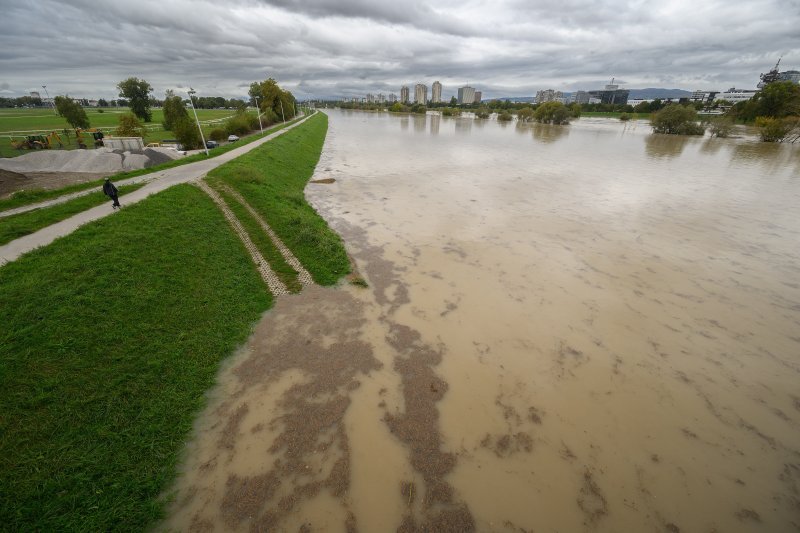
11	181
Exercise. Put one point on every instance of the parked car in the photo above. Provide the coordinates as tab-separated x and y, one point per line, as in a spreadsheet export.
233	138
211	144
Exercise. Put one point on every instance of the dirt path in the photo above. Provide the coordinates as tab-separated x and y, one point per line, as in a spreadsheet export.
11	182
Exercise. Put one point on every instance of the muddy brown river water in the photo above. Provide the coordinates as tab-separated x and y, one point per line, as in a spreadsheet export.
580	328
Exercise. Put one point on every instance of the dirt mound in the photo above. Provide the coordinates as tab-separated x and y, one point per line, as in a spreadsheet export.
101	160
11	181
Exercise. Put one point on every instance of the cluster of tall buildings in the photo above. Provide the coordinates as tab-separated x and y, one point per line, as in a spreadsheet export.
466	94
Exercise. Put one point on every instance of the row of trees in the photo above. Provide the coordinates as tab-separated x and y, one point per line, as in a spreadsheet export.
274	104
775	110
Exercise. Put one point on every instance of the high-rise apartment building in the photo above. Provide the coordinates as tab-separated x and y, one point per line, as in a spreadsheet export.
392	98
436	92
421	93
478	97
549	95
403	94
466	95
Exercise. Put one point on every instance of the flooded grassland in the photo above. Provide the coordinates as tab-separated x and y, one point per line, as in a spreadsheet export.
581	328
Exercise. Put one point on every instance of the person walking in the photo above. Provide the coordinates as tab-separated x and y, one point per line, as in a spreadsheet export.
111	191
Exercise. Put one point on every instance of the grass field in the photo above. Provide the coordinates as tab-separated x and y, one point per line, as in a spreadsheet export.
16	226
16	123
33	196
112	335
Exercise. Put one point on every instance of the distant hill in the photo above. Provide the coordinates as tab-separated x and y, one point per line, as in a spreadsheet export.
646	94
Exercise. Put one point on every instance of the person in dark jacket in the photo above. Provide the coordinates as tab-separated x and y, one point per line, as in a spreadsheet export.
111	191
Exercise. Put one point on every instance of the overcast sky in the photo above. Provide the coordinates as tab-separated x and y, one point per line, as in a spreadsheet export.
331	48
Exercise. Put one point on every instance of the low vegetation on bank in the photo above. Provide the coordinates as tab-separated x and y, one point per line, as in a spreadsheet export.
272	179
113	334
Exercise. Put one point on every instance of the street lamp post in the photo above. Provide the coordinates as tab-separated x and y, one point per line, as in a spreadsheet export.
282	115
48	99
258	111
202	137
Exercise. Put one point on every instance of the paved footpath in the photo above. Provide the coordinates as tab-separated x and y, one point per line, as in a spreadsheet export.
161	180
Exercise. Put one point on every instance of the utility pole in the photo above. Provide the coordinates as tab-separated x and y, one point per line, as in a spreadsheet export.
48	99
258	110
191	103
282	115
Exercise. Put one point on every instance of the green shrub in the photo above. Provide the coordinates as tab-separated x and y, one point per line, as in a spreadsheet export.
253	122
552	113
526	114
624	117
676	119
720	126
129	126
186	132
775	130
482	112
218	134
505	116
237	125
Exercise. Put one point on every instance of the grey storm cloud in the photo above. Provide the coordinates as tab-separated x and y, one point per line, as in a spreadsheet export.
331	48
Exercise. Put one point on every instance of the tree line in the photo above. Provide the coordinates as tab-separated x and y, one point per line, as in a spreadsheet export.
274	105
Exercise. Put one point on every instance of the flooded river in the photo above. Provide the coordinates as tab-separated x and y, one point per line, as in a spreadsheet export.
566	328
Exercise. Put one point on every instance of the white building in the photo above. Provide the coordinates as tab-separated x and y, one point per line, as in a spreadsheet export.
735	96
466	95
436	92
421	93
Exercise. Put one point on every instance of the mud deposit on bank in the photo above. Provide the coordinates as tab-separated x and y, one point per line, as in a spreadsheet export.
581	329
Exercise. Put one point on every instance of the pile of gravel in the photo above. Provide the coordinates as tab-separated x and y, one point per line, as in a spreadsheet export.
100	160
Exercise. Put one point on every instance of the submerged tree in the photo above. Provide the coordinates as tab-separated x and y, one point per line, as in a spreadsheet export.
552	113
676	119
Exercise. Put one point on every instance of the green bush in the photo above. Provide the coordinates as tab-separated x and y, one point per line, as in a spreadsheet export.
720	126
451	112
525	114
505	116
253	122
624	117
482	112
186	132
676	119
129	126
218	134
237	125
552	113
775	130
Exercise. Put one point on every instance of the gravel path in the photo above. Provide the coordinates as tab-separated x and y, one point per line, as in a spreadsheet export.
161	181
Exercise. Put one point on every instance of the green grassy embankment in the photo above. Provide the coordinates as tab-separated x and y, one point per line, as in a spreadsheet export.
272	178
16	226
40	195
282	269
110	338
112	335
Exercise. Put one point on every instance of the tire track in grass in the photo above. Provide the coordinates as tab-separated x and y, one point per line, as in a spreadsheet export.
274	283
302	274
